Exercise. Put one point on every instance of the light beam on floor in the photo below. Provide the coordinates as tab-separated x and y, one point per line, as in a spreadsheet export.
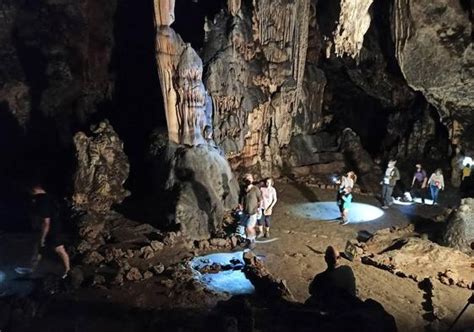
329	211
232	281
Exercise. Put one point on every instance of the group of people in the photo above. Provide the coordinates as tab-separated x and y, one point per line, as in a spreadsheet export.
419	185
256	204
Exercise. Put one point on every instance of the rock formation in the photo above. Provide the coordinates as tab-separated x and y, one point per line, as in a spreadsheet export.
102	169
354	21
405	254
204	187
262	91
434	50
55	61
180	72
460	228
199	175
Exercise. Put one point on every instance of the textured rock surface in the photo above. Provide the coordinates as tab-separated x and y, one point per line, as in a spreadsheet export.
262	91
434	51
353	23
460	228
102	169
402	253
180	73
55	59
205	188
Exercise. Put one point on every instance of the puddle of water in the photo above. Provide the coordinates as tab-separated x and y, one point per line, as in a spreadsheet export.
230	280
328	211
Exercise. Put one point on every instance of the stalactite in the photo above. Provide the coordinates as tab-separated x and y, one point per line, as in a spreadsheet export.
354	21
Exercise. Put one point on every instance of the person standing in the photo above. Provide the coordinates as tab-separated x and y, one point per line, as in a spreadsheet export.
250	204
418	184
347	181
45	213
269	199
346	205
436	183
392	175
466	172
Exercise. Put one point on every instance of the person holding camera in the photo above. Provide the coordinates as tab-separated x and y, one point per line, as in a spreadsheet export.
250	202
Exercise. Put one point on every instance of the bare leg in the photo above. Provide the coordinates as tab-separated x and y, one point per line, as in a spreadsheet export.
260	231
61	251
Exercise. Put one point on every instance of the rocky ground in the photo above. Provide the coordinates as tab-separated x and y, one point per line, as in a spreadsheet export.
417	295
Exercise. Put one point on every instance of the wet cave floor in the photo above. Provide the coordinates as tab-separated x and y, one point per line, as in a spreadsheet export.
296	257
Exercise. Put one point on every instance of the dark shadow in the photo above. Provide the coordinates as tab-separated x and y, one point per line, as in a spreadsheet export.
306	191
398	244
364	236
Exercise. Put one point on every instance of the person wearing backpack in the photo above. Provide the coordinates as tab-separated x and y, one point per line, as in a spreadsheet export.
45	214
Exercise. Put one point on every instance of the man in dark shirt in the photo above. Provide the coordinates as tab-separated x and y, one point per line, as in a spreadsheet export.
45	214
250	202
335	285
418	184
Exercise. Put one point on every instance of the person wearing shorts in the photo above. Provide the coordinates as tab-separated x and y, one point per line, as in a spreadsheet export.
250	203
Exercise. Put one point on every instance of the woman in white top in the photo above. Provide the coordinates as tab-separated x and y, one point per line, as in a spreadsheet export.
436	183
269	199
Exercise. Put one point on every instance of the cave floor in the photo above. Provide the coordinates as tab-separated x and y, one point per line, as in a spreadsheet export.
296	257
299	254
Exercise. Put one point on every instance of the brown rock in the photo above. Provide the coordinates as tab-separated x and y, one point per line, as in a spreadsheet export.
147	275
158	268
93	258
157	245
219	242
134	274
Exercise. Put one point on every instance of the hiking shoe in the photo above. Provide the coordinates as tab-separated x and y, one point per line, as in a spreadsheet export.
385	207
267	234
345	222
260	235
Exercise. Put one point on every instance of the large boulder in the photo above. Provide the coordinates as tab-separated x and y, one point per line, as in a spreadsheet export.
102	169
205	187
460	228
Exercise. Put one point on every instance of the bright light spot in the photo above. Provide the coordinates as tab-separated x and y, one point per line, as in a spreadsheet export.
467	161
415	200
359	212
232	281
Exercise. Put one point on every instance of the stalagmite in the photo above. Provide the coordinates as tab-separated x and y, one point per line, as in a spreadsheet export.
180	73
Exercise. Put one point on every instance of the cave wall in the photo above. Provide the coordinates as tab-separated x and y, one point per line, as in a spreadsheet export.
282	92
262	89
434	50
54	72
